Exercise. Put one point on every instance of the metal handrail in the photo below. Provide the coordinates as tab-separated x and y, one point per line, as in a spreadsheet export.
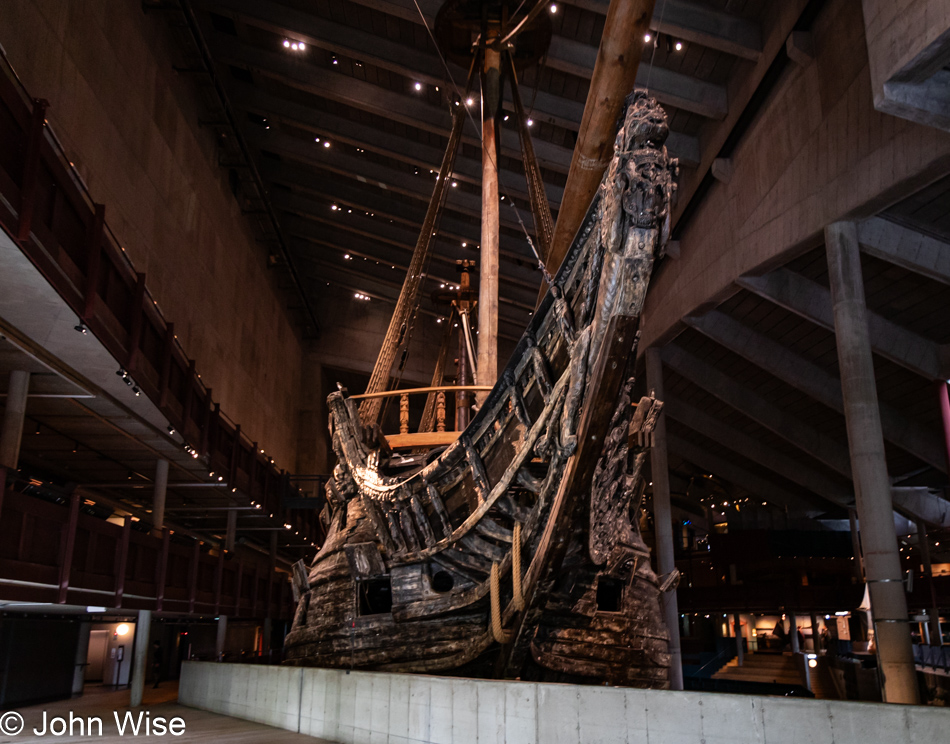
936	657
714	659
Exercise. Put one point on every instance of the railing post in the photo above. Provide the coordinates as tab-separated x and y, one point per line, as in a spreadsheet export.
123	559
93	259
69	540
164	373
162	571
440	411
31	167
135	322
403	414
193	582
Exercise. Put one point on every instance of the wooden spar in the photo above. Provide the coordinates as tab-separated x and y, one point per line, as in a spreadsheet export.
488	273
405	305
614	74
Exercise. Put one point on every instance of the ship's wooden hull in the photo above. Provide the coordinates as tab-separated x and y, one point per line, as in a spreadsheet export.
510	553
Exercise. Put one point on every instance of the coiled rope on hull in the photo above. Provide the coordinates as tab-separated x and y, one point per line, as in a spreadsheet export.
517	600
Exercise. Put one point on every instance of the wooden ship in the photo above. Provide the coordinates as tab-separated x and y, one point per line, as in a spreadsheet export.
512	550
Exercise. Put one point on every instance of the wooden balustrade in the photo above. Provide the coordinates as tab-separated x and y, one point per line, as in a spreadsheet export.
437	438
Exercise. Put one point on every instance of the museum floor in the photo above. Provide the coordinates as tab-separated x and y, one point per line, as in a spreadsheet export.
200	725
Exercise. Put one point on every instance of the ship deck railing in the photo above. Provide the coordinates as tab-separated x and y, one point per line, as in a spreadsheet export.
440	437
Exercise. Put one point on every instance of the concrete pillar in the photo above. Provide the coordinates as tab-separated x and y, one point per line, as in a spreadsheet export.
737	622
158	495
140	657
793	633
268	632
221	637
943	399
82	656
231	532
815	636
14	412
663	518
933	628
489	269
869	468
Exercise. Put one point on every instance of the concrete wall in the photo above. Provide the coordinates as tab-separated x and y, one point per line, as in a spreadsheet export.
129	123
902	34
402	709
817	152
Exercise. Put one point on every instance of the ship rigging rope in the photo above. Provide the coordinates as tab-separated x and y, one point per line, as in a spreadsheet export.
471	118
400	323
518	598
497	630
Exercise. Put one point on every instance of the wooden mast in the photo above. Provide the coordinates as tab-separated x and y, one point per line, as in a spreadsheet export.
615	72
487	369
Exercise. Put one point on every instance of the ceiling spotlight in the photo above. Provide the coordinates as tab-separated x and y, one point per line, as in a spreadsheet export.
300	46
334	207
171	429
336	61
469	101
553	8
530	122
81	328
294	47
647	38
286	44
326	143
454	184
418	86
135	389
316	139
678	46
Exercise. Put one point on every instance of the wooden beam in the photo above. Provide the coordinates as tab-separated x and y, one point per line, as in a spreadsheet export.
812	380
907	248
614	74
763	488
812	301
798	433
754	449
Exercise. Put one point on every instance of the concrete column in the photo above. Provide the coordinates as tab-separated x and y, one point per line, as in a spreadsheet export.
793	633
231	532
14	412
221	637
934	630
815	645
140	657
869	468
489	269
663	518
82	656
268	632
943	399
158	496
737	622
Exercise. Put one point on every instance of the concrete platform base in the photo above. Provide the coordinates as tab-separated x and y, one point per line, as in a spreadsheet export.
356	707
